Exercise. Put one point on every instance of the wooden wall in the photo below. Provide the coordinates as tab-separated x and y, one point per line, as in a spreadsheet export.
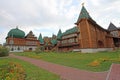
84	34
22	42
93	36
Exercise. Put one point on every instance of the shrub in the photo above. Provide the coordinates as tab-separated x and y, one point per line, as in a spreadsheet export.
12	71
39	50
3	51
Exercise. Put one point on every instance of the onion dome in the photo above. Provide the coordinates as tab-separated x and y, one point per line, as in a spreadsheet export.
16	33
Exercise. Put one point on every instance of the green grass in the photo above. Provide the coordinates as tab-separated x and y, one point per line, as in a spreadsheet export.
78	60
33	72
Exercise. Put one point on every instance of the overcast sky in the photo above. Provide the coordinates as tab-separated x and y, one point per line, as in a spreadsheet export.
48	16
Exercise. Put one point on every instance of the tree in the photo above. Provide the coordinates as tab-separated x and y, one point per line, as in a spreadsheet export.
3	51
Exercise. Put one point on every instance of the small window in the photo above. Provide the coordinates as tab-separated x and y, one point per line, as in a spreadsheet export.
12	49
18	48
100	44
30	49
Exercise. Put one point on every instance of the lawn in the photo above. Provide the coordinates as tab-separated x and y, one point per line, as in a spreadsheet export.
101	60
33	72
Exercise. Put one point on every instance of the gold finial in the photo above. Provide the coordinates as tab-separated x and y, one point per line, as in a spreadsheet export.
17	27
82	4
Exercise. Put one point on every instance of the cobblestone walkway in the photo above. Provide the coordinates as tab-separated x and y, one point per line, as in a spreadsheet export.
66	73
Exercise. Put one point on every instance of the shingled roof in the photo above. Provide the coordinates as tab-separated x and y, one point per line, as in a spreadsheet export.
85	15
54	41
70	31
112	27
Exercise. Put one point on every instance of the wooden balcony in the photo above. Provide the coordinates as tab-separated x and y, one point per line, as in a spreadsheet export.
68	44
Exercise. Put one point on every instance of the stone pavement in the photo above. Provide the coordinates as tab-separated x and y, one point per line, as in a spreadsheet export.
66	73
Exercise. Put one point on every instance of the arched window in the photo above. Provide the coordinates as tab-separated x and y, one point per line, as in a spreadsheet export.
18	48
30	49
100	44
12	49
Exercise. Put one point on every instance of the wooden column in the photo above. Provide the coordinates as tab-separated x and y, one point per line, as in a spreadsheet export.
80	36
89	34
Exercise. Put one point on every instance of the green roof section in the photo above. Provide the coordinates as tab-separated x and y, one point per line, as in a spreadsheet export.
71	31
59	35
41	39
54	41
83	14
16	33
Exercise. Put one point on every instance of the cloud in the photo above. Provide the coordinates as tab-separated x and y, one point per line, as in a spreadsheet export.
48	16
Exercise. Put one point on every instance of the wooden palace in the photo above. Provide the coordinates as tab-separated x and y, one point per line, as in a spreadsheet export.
86	36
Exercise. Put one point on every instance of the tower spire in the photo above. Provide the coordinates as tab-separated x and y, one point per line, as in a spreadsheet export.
83	14
41	39
83	4
59	35
17	27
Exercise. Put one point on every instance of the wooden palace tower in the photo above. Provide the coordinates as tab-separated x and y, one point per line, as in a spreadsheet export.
87	36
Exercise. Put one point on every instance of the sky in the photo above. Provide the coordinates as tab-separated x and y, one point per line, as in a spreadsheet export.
48	16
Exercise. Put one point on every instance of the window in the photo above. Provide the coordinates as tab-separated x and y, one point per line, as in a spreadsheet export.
76	40
115	33
100	44
69	36
31	43
18	48
12	49
30	49
11	42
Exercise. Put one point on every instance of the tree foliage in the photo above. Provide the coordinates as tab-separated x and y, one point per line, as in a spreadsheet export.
3	51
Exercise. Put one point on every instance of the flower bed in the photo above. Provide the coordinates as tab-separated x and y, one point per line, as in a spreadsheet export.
99	61
12	71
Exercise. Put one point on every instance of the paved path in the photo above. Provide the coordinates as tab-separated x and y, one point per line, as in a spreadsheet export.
114	73
66	73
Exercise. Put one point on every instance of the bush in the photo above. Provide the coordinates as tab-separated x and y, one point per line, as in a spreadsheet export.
12	71
39	50
3	51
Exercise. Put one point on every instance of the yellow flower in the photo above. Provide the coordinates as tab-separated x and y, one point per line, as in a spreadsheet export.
94	63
